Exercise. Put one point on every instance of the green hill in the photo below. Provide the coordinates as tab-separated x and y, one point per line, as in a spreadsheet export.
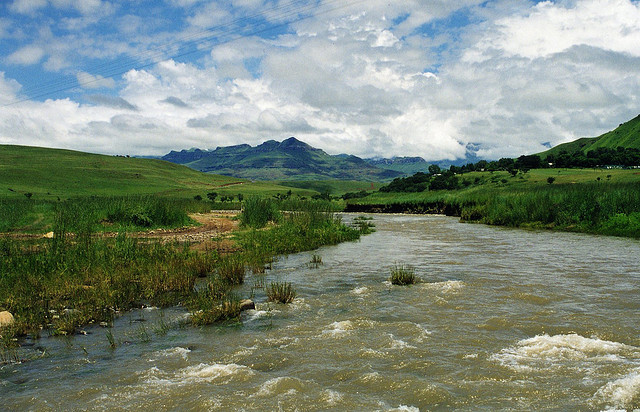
55	173
290	159
626	135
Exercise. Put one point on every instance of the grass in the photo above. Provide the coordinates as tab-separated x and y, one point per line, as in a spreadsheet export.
77	278
54	174
403	275
316	261
280	292
258	211
576	201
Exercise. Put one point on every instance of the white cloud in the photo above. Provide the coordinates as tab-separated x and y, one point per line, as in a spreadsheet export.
371	80
26	55
27	6
551	28
89	81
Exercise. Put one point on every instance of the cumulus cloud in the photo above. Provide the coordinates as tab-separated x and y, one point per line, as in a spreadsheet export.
376	79
89	81
175	101
27	6
27	55
112	101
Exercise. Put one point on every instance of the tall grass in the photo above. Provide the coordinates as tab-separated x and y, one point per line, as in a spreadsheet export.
62	283
280	292
607	208
97	213
611	208
76	278
258	211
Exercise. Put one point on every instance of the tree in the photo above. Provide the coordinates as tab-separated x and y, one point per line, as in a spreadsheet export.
212	196
240	197
434	169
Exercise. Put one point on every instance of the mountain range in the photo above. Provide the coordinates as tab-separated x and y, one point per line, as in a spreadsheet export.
292	159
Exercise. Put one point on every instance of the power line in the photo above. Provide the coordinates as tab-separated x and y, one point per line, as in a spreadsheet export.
285	14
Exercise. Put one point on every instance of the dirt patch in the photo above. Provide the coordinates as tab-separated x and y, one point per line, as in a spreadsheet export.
212	234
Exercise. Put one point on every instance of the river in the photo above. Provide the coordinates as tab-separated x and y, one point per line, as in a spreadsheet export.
502	319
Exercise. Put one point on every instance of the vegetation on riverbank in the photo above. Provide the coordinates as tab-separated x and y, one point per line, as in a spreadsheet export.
591	201
79	277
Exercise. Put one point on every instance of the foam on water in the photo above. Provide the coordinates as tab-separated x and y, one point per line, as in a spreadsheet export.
337	329
405	408
449	286
398	343
280	385
623	393
214	372
332	398
545	351
171	352
362	290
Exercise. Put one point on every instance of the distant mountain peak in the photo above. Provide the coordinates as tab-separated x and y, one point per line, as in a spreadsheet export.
291	159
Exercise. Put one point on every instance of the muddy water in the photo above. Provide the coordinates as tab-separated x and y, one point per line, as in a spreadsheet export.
503	320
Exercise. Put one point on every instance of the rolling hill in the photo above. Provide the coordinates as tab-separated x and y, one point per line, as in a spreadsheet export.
290	159
626	135
56	173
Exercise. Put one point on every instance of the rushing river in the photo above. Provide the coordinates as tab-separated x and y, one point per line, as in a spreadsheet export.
502	320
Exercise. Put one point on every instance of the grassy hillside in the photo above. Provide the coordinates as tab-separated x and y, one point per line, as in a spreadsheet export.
55	173
333	187
625	135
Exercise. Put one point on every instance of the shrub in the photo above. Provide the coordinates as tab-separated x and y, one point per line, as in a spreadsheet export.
403	275
280	292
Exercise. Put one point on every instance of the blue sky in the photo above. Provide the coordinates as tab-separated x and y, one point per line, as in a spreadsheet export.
370	78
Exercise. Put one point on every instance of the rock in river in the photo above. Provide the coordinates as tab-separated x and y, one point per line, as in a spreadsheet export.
6	319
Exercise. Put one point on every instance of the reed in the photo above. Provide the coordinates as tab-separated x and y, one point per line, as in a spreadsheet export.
258	211
403	275
280	292
316	261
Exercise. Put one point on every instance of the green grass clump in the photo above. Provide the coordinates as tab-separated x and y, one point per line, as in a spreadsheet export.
231	269
316	261
258	211
280	292
403	275
214	303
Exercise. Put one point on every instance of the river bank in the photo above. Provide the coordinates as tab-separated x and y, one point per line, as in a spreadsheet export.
59	284
594	207
502	319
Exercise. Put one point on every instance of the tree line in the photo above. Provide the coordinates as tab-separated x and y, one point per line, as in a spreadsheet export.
438	179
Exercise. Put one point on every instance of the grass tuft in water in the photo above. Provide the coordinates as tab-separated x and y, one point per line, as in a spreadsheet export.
403	275
280	292
316	261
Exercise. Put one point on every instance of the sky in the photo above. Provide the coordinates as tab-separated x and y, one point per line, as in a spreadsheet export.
373	78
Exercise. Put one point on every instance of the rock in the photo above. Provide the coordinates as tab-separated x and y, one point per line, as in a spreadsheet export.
48	235
246	304
6	319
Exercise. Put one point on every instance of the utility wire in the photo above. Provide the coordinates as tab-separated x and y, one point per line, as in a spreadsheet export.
285	14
